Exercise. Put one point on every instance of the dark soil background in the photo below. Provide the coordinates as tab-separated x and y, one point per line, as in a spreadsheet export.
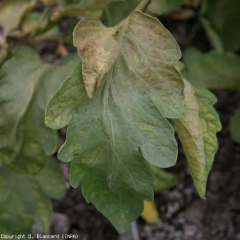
184	215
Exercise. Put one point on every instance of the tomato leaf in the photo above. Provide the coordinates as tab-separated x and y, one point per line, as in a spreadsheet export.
197	128
128	72
212	70
25	199
25	87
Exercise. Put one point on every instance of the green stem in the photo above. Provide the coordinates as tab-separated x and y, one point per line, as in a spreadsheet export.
109	16
143	5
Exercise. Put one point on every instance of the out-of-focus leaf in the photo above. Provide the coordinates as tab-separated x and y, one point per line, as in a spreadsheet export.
118	11
35	22
25	199
235	126
125	121
3	53
163	179
70	58
170	6
49	3
197	128
25	88
12	11
39	25
223	15
213	36
191	3
157	6
52	34
86	8
150	213
212	70
31	22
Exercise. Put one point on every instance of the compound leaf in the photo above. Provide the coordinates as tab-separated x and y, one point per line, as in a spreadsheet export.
110	134
212	70
25	87
197	128
235	126
24	199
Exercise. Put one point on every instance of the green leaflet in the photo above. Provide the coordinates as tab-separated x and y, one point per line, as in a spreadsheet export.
220	18
25	87
25	199
197	128
124	122
235	126
212	70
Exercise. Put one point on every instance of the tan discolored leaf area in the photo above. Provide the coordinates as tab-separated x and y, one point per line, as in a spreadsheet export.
152	53
133	87
197	128
99	50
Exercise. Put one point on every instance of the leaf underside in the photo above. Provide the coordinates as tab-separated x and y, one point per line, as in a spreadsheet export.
197	128
127	71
